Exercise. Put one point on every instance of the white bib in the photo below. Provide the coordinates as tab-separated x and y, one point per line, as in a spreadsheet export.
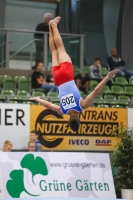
68	101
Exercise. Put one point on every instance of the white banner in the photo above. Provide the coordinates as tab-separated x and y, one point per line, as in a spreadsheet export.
44	175
130	117
15	124
1	183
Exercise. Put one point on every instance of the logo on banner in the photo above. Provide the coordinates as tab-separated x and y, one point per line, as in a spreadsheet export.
15	186
78	142
103	142
46	127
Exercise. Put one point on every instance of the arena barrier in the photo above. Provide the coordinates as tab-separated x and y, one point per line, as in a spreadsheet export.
95	132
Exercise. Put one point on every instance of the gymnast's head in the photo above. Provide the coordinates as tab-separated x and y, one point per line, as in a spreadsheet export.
74	123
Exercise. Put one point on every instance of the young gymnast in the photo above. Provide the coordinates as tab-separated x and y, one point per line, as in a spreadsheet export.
71	102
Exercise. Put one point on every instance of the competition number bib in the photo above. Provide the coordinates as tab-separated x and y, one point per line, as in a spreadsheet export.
68	101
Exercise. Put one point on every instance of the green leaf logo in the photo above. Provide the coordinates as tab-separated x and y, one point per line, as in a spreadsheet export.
15	186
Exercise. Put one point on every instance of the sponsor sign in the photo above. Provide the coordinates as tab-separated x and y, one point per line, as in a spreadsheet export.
43	175
95	131
14	124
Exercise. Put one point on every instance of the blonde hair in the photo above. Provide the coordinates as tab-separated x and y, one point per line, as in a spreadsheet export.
7	142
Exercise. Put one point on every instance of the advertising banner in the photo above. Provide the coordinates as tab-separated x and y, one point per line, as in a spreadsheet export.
95	132
130	117
15	124
43	175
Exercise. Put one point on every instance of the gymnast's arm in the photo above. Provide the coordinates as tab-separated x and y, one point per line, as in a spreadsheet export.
47	104
88	101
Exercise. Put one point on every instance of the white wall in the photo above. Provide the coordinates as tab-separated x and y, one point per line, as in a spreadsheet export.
25	15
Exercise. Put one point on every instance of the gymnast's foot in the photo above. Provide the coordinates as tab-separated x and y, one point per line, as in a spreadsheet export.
55	21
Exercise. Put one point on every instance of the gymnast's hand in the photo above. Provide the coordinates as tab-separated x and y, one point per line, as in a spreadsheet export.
112	73
35	98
